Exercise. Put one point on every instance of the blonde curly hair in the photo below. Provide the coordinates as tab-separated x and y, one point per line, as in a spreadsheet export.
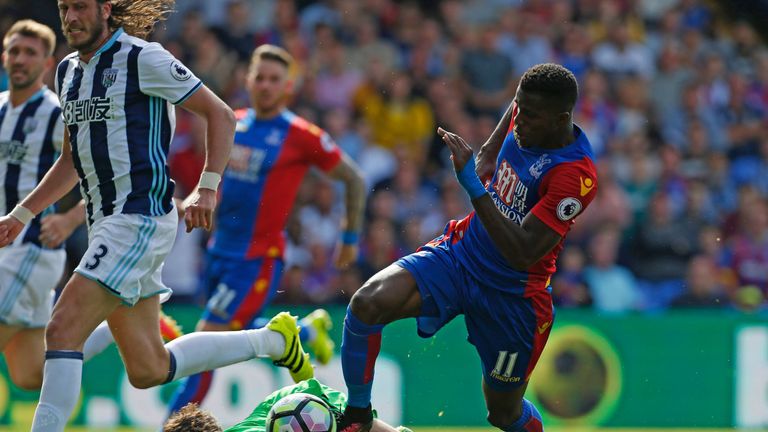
191	419
138	17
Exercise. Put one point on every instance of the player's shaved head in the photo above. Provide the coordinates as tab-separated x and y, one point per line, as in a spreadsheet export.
554	82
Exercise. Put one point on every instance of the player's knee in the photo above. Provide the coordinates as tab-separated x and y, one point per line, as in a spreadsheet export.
144	378
366	305
147	370
502	419
57	335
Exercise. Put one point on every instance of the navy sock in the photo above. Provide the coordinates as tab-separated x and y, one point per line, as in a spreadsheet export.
359	348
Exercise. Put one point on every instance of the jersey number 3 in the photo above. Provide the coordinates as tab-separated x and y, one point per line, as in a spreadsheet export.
101	253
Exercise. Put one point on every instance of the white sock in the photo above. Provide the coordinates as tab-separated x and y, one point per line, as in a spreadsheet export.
203	351
98	341
62	374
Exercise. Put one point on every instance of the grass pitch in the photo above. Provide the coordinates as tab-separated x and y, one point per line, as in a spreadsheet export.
21	428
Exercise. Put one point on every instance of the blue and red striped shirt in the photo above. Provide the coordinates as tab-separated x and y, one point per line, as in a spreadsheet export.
555	184
268	162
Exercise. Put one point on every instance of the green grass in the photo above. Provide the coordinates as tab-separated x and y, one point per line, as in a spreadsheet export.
426	429
23	416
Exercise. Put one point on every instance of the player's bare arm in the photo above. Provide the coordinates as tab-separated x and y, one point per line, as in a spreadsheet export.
56	228
486	157
199	205
354	189
59	180
521	245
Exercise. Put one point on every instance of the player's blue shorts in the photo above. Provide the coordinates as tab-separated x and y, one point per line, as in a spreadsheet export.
509	331
239	289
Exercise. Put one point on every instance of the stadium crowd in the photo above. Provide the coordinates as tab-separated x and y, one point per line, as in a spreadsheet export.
674	98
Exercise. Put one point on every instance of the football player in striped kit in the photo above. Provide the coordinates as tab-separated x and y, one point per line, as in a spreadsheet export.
116	93
31	134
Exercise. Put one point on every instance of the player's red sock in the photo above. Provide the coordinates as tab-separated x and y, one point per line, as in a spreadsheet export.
529	421
359	349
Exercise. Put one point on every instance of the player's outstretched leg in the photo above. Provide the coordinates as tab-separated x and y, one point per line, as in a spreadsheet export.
202	351
389	295
102	337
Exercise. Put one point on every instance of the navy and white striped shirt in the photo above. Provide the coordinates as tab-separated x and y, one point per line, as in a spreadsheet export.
117	108
30	139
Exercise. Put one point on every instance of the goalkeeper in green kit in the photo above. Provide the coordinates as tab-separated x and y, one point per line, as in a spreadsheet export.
192	419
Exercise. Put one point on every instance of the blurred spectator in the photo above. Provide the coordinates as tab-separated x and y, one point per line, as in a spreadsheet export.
235	32
412	194
211	62
747	250
573	52
619	56
690	108
320	218
320	277
568	286
673	96
338	124
743	121
640	187
611	286
661	248
336	81
696	15
401	121
379	247
751	170
369	46
703	289
595	113
667	85
522	39
632	113
487	74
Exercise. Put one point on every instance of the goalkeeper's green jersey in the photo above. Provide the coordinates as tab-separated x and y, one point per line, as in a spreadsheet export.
256	422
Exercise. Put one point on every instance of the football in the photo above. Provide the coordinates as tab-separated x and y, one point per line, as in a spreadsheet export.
300	412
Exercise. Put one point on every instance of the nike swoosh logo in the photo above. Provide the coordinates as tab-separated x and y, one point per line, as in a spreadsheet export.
542	328
586	185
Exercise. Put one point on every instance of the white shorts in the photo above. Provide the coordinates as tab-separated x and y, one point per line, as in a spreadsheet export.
28	278
126	252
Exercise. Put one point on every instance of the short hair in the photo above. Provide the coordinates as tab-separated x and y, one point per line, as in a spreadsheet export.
274	53
554	82
34	29
191	418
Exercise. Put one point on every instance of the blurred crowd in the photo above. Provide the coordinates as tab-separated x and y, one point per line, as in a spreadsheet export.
673	96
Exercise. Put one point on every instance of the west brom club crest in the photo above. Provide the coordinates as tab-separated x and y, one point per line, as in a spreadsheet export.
30	124
109	77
